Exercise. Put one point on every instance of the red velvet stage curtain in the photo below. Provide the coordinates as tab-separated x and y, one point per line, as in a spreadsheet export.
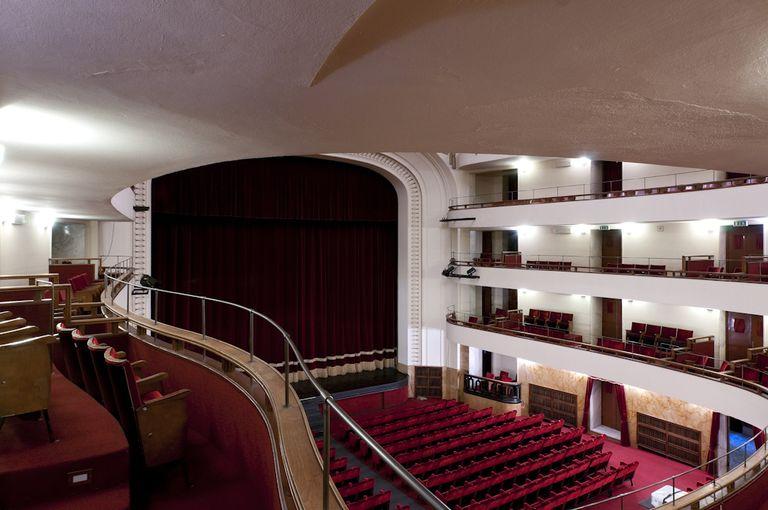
621	398
310	243
714	431
587	399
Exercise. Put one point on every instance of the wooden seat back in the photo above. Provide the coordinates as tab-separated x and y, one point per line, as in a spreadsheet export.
156	426
25	376
87	371
96	351
71	363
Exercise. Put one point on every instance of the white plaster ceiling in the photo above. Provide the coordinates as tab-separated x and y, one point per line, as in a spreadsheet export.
163	86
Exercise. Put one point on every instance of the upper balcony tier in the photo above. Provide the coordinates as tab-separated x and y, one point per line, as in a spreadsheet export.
647	199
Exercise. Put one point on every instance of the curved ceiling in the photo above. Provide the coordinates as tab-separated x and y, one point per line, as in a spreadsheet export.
163	86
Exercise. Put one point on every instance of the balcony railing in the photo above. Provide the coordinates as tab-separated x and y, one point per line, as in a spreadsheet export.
640	186
750	269
711	493
493	389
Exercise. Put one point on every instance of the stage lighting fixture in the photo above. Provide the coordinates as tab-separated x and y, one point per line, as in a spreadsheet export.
448	271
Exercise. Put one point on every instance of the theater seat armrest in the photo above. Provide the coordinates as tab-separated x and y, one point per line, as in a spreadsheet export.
727	372
152	382
740	361
174	396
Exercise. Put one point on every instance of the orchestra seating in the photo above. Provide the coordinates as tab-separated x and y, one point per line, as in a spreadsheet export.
651	334
475	459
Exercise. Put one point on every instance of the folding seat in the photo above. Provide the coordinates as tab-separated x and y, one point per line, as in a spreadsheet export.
682	336
71	363
553	319
472	319
155	424
638	327
87	371
25	366
363	488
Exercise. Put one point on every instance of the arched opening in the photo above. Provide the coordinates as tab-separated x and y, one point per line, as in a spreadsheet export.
311	243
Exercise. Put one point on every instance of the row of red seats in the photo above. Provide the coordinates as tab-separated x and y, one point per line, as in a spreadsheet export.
633	347
409	433
400	414
568	439
531	489
653	334
354	443
445	412
358	495
488	423
582	491
561	320
650	269
549	265
542	463
475	438
476	451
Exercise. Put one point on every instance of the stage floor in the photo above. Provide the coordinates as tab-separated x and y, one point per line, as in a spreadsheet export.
349	382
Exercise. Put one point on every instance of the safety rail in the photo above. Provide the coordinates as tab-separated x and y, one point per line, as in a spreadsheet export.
708	494
753	269
119	276
697	180
499	390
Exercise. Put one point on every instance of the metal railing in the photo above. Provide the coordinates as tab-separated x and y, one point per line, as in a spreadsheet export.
670	183
113	276
748	269
499	390
760	457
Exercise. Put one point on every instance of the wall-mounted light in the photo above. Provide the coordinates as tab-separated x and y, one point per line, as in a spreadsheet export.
629	228
35	126
580	230
7	212
2	153
708	226
524	165
583	161
45	218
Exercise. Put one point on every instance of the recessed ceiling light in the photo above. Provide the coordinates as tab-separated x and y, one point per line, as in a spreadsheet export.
32	126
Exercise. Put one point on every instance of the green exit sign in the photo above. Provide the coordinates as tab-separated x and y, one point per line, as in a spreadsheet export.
739	223
605	227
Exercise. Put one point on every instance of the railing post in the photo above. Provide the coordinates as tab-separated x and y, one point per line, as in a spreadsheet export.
673	490
250	337
154	305
202	302
326	453
287	370
128	297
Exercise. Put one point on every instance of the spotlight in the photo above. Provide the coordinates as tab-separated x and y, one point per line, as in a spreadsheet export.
471	271
448	271
149	281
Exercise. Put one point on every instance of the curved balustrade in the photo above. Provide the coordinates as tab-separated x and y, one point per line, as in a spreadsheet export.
753	269
641	186
713	492
289	417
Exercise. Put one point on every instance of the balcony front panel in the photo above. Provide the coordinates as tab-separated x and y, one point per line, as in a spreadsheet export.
739	202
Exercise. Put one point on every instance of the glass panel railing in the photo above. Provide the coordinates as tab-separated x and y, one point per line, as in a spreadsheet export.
120	276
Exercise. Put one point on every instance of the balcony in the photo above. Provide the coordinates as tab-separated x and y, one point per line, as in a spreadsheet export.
499	390
700	281
650	199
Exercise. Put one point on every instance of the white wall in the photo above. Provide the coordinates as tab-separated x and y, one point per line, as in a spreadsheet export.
571	179
24	249
543	240
701	321
669	241
580	307
643	175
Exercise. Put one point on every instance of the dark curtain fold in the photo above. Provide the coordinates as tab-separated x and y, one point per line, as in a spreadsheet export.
587	400
714	432
621	399
310	243
760	436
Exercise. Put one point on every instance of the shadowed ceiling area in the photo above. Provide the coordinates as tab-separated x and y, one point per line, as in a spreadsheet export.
159	87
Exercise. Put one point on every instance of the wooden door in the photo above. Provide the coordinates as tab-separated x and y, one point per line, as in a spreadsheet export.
509	183
609	407
610	241
612	325
487	310
741	242
487	362
742	331
612	175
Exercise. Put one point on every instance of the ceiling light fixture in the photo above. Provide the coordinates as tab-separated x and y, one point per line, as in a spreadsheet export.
583	161
45	218
2	153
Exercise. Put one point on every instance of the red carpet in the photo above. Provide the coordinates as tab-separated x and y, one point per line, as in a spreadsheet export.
87	437
652	468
